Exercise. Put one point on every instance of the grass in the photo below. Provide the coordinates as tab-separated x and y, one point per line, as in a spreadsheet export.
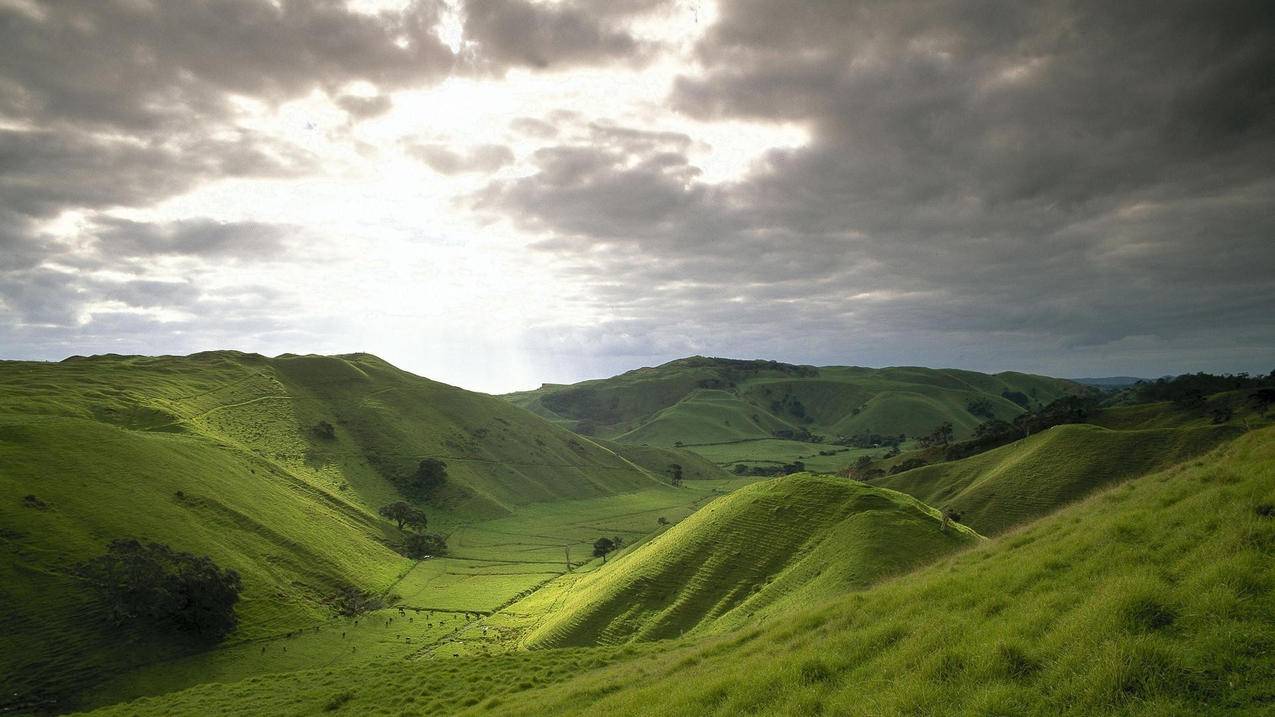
762	548
1153	597
1013	484
214	454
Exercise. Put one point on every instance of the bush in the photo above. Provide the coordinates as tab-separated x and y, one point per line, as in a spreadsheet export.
153	584
430	475
324	431
424	545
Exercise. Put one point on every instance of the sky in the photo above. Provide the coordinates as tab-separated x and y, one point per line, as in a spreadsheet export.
500	193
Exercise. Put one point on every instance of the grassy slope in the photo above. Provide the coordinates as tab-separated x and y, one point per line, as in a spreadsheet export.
758	547
108	443
1155	597
1030	478
658	461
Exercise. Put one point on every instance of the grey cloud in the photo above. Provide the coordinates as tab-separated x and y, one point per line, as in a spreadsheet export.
147	65
1080	175
541	35
45	171
533	127
365	107
446	160
191	237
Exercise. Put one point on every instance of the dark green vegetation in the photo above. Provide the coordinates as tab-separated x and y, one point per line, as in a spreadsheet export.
767	415
1154	597
276	469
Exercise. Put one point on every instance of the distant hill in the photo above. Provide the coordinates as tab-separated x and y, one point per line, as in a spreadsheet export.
224	454
701	401
773	545
1109	382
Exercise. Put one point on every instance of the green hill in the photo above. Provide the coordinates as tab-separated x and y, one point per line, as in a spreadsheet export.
780	542
1030	478
704	403
218	454
1154	597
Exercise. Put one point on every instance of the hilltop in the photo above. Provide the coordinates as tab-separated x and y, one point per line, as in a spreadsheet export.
273	467
767	414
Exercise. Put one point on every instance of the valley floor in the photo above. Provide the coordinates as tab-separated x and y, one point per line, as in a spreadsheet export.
440	607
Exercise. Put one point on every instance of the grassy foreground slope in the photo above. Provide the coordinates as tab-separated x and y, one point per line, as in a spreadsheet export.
1155	597
771	544
216	454
1030	478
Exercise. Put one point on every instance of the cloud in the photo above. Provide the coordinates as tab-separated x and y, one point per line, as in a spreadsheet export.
43	172
446	160
507	33
145	66
1072	174
361	107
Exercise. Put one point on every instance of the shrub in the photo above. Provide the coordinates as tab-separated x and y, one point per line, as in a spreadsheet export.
153	584
423	545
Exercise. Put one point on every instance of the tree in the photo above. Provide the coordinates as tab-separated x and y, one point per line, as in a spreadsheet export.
323	431
404	514
430	475
150	583
940	436
1017	397
980	407
604	546
1263	398
423	545
675	470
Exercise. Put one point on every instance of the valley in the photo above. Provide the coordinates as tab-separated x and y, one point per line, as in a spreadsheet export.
279	468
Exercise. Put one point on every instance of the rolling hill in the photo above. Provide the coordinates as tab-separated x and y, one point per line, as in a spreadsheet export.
224	454
1153	597
764	548
705	403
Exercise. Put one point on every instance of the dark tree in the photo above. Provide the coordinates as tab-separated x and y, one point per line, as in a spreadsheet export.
323	431
154	584
1017	397
675	470
604	546
940	436
423	545
980	407
430	475
404	514
1263	398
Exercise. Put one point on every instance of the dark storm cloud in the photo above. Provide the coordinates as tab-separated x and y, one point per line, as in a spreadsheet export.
145	65
447	160
1074	174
